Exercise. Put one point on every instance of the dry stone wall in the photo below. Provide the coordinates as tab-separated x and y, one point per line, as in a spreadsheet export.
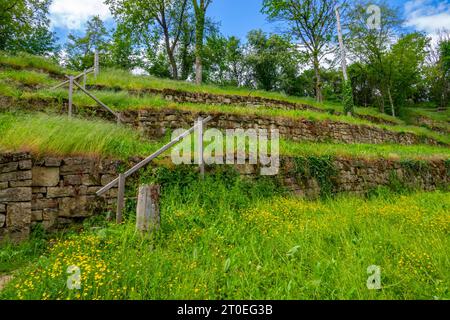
155	123
57	192
63	189
15	195
247	101
53	192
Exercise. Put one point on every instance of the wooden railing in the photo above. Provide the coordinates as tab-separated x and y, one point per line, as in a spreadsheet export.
72	81
120	181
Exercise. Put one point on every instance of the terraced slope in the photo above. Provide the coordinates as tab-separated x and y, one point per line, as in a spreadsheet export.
26	90
232	229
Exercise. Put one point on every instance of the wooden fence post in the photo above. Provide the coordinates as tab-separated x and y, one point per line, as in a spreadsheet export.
148	217
201	162
70	95
120	198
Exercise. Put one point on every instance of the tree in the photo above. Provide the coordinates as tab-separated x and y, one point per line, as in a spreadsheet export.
272	60
186	54
444	47
167	16
370	45
404	68
224	61
312	22
200	7
122	49
81	50
439	70
24	26
347	85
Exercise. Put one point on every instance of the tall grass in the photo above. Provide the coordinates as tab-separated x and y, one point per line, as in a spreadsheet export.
30	61
230	239
60	135
43	134
367	151
125	101
31	78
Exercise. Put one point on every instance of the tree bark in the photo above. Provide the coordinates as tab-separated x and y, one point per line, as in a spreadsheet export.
319	96
391	102
200	13
382	101
198	70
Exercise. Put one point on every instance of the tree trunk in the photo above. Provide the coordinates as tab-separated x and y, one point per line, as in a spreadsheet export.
170	54
381	101
391	102
199	34
319	96
198	70
173	64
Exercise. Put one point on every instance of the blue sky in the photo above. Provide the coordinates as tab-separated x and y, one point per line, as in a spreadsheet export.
238	17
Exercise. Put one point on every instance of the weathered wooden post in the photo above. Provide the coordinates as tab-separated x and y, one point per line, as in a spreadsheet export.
96	64
70	95
148	217
120	198
201	162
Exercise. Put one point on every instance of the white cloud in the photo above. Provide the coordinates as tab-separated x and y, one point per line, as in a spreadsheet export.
427	15
73	14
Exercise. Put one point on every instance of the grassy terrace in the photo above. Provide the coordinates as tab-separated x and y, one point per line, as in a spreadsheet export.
126	81
440	119
235	240
35	72
26	61
46	134
125	101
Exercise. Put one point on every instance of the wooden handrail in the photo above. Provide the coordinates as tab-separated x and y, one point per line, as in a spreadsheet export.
146	161
116	114
75	78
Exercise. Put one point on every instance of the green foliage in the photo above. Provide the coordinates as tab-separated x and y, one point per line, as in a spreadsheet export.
144	17
224	242
312	23
447	165
28	61
81	50
223	61
371	46
25	27
347	100
415	167
29	78
14	256
405	61
320	168
272	60
121	52
59	135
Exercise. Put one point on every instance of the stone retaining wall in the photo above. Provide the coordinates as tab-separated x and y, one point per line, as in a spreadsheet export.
357	176
64	189
56	192
15	195
247	101
155	123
